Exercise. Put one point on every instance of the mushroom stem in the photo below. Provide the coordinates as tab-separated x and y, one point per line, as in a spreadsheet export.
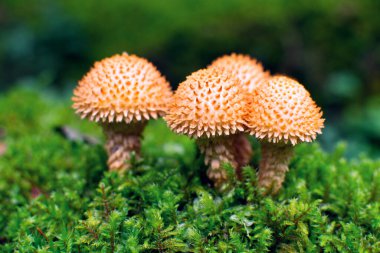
275	158
218	150
242	152
122	140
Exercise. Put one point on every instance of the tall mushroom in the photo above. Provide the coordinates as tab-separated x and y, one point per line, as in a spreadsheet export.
122	93
251	74
208	106
281	114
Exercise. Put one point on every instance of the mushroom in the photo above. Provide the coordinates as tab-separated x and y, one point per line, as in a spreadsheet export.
249	71
281	114
122	93
251	74
208	106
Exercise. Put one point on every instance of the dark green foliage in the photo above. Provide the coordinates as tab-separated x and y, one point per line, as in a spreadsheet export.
57	196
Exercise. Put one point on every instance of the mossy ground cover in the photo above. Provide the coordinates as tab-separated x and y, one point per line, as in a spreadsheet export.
56	194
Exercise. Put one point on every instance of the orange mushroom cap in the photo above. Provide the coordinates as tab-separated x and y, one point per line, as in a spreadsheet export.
122	88
249	71
208	103
282	110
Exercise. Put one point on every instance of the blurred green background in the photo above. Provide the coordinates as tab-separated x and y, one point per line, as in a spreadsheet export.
331	46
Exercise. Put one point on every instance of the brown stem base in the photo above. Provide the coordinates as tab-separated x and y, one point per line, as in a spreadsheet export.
242	152
217	150
122	140
275	158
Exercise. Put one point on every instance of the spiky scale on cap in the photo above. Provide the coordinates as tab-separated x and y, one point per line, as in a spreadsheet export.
122	88
282	110
208	103
249	71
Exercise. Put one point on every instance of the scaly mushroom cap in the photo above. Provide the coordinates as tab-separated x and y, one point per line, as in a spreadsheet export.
282	110
122	88
249	71
208	103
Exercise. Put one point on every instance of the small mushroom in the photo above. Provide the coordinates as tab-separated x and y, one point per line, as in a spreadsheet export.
208	106
122	93
248	70
281	114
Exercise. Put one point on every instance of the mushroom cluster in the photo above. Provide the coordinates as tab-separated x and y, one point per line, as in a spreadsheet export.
277	110
217	106
122	93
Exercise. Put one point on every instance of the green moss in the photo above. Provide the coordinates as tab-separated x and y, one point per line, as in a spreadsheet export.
57	196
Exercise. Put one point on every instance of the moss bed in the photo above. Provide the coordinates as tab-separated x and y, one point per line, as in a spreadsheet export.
56	194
